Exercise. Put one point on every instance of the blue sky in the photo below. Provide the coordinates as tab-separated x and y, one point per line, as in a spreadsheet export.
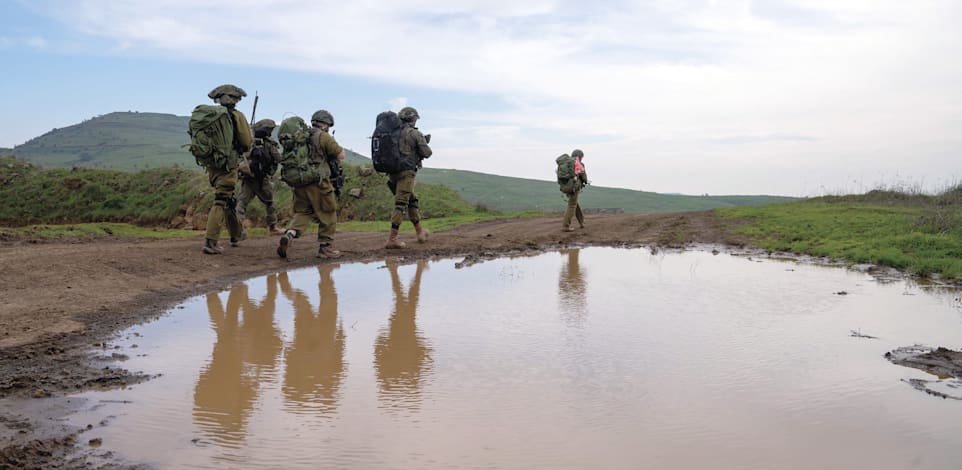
793	97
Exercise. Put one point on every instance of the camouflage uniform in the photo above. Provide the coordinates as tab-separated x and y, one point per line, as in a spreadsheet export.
316	202
259	184
414	148
224	179
574	209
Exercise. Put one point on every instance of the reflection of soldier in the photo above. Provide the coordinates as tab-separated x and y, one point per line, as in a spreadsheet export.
400	354
315	357
227	388
571	289
262	164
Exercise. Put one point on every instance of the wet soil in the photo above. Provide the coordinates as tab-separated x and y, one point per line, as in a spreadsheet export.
65	300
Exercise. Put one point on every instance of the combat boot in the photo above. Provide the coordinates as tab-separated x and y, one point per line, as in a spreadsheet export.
423	233
274	230
285	243
392	242
567	229
236	241
326	251
211	248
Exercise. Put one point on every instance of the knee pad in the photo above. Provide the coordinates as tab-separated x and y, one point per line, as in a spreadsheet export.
413	203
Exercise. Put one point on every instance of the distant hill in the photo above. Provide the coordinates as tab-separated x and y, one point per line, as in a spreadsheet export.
135	141
5	151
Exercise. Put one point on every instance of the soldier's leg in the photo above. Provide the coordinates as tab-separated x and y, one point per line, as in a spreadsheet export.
404	187
223	183
244	196
326	210
414	213
580	216
570	210
303	216
266	195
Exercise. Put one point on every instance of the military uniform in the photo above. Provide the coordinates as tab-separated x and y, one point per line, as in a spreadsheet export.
257	182
414	148
317	202
574	209
224	179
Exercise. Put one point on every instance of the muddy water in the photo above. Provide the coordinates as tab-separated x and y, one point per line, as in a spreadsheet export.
592	358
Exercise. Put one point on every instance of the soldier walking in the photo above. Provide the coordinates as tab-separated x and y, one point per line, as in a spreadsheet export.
414	148
317	201
262	163
224	178
572	189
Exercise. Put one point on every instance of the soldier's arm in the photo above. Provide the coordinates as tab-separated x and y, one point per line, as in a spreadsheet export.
424	150
273	151
330	146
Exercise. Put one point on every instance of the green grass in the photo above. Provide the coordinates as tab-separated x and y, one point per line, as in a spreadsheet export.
95	230
917	233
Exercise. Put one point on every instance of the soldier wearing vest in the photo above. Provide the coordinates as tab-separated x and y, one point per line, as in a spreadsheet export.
317	201
574	209
224	179
262	163
414	148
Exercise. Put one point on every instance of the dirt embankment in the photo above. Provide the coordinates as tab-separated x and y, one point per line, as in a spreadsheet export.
63	300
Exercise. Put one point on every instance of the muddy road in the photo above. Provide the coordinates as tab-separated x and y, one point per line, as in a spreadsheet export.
63	300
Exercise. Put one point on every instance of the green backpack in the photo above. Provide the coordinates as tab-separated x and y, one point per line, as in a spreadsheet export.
212	136
567	180
301	160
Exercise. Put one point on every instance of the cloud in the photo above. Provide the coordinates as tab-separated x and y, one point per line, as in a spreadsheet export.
397	103
816	81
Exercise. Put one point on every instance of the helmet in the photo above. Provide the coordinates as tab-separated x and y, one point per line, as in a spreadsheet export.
577	153
323	115
265	124
408	113
227	89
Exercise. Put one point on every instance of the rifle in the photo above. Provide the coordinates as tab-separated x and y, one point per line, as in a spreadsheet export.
254	111
337	175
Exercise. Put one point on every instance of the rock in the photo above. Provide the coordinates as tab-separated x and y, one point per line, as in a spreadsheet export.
364	171
355	193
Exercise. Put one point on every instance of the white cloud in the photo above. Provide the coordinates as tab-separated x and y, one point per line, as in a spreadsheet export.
733	96
397	103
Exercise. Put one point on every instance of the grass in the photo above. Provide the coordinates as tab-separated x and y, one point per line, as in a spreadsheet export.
914	232
95	230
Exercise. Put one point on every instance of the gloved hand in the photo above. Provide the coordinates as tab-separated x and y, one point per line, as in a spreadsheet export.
244	169
427	138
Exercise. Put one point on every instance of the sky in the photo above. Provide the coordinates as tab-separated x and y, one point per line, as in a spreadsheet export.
783	97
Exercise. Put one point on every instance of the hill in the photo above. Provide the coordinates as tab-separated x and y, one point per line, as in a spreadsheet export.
133	141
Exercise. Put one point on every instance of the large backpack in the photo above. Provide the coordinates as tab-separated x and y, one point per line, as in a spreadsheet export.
211	131
301	160
385	143
261	162
567	180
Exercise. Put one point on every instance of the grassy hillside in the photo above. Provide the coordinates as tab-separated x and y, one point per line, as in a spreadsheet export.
177	197
133	141
516	194
916	232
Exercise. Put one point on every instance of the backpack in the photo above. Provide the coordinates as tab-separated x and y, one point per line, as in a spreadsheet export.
211	131
261	162
567	180
300	159
385	143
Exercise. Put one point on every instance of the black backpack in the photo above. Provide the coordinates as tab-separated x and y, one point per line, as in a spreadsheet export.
385	143
260	159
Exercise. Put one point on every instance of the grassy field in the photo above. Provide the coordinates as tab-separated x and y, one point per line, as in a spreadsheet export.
918	233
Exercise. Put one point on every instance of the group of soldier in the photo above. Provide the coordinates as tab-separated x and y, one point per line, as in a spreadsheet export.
313	202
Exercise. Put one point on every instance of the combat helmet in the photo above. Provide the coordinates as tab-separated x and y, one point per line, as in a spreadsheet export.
265	123
323	115
227	89
576	153
408	114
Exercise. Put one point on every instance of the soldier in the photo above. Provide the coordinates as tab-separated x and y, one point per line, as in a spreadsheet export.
317	202
414	148
224	179
257	182
574	209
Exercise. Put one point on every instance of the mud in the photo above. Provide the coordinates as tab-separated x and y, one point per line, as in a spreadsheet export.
944	363
65	301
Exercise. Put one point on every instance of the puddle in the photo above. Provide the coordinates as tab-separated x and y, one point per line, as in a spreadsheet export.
591	358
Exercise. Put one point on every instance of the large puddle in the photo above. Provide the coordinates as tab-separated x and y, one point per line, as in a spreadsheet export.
591	358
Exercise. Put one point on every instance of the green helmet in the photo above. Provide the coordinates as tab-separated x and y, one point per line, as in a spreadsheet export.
227	89
265	124
408	113
323	115
577	153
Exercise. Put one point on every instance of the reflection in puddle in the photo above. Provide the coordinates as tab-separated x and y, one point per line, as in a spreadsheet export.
591	358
